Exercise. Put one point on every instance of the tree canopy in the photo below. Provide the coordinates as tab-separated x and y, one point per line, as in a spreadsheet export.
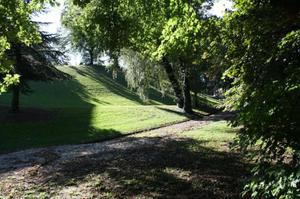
170	33
262	41
16	27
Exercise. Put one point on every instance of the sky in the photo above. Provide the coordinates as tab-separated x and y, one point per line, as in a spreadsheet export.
53	17
220	6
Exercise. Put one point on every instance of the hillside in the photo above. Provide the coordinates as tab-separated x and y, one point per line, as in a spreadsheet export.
87	108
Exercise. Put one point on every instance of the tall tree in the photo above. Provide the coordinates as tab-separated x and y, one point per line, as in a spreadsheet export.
16	28
166	32
25	53
82	36
263	41
34	62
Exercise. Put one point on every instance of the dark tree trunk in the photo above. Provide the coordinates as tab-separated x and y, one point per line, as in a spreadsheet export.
196	99
15	102
91	57
187	107
174	81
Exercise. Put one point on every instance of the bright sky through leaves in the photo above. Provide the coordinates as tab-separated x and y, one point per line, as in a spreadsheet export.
53	17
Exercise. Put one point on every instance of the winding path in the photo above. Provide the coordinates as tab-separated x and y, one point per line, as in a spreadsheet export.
26	169
42	156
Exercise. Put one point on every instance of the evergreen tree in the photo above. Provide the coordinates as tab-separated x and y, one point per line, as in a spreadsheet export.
35	62
16	28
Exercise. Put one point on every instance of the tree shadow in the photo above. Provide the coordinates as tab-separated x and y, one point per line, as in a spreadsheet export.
116	86
61	115
156	96
106	78
194	116
198	116
157	168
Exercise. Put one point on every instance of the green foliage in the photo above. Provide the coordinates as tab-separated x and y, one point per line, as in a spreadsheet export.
142	74
16	27
83	37
263	51
173	34
137	72
9	80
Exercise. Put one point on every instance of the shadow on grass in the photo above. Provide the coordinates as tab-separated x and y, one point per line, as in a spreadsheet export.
181	113
209	109
116	86
198	116
154	167
61	115
100	74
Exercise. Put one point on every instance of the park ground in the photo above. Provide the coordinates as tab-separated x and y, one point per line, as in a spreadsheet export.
187	160
64	130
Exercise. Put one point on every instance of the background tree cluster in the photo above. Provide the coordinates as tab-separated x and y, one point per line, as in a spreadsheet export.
174	35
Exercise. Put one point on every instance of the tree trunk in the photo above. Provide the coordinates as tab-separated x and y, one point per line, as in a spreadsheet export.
187	107
15	102
174	81
91	57
196	99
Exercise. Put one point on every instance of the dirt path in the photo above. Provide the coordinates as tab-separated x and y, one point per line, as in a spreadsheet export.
56	154
55	171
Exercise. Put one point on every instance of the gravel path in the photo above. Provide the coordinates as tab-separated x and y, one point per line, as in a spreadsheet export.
16	167
43	156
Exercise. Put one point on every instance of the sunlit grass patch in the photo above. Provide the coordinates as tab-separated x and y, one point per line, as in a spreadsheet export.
215	135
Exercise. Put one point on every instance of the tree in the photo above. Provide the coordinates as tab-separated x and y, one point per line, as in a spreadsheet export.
263	42
34	62
142	74
166	32
25	53
16	27
83	37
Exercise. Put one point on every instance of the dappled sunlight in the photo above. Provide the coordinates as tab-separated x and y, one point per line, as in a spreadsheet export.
146	166
155	99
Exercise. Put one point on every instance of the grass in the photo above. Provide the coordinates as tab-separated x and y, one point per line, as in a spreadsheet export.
88	108
214	135
195	164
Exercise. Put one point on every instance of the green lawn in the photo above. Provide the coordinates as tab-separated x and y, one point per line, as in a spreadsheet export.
214	135
90	107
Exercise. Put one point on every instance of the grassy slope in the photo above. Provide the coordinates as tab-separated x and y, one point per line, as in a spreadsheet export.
90	107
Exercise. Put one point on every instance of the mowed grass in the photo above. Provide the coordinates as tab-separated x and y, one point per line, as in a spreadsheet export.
88	108
215	136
